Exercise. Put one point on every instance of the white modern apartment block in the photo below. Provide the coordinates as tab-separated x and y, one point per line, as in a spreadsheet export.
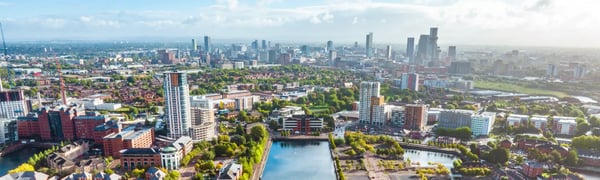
12	104
482	124
177	104
201	102
539	122
517	119
565	125
371	108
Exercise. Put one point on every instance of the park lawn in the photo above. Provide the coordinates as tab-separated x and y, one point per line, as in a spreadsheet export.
318	108
123	109
517	88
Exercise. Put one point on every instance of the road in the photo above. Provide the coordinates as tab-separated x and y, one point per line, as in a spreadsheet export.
341	129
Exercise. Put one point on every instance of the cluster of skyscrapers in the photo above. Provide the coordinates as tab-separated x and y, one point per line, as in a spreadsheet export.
427	48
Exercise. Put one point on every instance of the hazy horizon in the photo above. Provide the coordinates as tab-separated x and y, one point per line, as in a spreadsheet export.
530	23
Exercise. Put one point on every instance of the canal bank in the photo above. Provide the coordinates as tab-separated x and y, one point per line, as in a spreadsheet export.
257	173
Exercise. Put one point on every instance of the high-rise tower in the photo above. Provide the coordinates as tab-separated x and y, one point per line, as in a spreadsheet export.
177	104
207	44
410	50
452	53
371	105
369	45
194	45
432	49
422	47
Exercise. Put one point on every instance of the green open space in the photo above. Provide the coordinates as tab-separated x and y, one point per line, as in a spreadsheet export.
482	84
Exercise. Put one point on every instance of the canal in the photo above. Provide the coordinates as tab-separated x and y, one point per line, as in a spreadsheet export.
11	161
299	160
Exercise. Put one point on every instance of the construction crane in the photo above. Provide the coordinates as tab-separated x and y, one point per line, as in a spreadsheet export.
3	41
63	94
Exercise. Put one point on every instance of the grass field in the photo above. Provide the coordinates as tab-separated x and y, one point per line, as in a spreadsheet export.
320	108
517	88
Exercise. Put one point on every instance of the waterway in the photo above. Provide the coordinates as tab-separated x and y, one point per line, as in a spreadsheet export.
11	161
424	157
299	160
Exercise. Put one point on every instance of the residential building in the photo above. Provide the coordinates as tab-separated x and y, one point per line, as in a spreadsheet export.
410	81
455	118
451	53
57	123
104	176
166	57
565	126
231	171
415	117
515	120
130	137
8	130
532	169
552	70
304	124
28	126
105	129
481	125
460	67
65	157
27	175
371	102
154	173
204	101
422	49
432	49
203	122
78	176
369	45
85	125
410	49
177	103
12	104
539	122
397	116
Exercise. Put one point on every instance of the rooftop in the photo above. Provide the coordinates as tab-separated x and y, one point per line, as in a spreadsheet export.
97	118
29	175
129	133
139	151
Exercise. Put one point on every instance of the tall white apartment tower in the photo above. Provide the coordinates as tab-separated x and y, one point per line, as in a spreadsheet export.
368	90
177	104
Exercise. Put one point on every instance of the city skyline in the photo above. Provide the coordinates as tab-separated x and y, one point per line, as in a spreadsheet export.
515	23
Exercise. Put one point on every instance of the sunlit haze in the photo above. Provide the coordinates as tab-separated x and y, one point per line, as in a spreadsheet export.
472	22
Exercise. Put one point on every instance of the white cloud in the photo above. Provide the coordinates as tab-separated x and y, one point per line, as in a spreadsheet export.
459	21
52	23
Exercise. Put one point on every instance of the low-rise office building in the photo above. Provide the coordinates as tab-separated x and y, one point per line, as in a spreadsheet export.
139	158
303	124
130	137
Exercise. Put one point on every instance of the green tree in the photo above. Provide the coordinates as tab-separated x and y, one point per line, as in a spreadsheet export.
572	158
243	116
138	173
499	156
258	133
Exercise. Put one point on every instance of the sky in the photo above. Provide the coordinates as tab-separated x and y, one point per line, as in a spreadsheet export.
556	23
